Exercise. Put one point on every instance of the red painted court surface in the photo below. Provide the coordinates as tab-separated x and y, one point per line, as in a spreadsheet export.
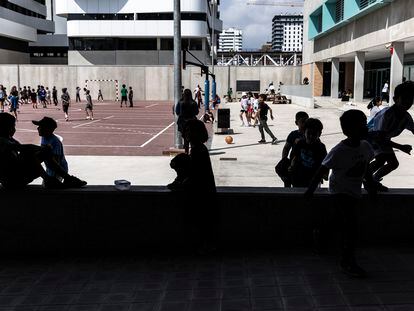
146	129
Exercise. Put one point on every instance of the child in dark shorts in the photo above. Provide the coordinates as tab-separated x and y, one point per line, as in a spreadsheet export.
349	162
307	154
293	138
390	122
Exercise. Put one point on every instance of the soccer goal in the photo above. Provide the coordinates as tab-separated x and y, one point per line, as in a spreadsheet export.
98	87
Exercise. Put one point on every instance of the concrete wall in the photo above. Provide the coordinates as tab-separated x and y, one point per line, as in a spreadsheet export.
137	58
149	82
14	57
300	95
102	219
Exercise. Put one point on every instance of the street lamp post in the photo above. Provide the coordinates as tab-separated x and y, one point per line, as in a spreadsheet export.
177	69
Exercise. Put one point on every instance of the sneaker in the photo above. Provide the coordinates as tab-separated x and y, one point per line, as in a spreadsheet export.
53	183
74	182
262	141
352	269
274	141
381	188
87	118
242	125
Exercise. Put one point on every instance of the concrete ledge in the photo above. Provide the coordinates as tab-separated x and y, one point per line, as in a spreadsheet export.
102	219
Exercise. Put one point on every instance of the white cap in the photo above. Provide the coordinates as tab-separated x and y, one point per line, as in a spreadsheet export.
244	94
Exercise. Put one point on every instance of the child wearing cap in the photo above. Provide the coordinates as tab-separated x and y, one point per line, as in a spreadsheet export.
46	128
21	163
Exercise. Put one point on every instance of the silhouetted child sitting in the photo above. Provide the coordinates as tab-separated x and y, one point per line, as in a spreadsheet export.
307	154
181	163
46	128
21	164
390	122
293	138
349	162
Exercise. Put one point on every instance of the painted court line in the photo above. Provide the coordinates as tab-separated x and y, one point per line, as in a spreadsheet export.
160	133
101	146
151	105
92	122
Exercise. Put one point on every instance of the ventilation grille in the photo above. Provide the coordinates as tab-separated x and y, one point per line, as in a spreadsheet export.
365	3
339	10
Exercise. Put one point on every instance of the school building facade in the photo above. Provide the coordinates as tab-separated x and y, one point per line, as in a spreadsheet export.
357	45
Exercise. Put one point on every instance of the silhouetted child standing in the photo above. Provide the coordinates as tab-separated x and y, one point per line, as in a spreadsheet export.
390	122
46	128
349	162
307	154
293	138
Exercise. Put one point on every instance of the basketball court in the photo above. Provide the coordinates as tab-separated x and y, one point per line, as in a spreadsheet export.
147	129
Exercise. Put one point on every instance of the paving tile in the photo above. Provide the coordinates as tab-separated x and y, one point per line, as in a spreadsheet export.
293	290
9	301
207	305
361	299
180	284
298	302
178	295
168	306
235	293
264	291
267	281
400	308
267	304
119	297
148	296
328	301
236	305
207	294
396	298
207	284
114	307
33	300
143	307
90	298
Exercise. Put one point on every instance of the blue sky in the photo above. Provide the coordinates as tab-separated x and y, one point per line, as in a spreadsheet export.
255	21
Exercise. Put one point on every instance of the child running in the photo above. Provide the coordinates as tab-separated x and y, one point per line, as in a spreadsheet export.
307	154
14	101
89	106
33	99
390	122
349	162
65	103
262	113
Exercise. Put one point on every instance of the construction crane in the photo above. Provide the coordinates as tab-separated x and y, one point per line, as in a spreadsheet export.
275	3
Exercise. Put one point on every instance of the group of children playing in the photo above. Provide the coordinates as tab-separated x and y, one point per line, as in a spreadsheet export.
363	158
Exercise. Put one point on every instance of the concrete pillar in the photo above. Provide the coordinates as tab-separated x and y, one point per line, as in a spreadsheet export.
359	76
335	78
397	67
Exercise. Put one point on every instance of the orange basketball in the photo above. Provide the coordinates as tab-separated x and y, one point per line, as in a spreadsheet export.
229	140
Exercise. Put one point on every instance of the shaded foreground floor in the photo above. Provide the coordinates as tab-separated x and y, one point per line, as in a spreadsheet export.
286	280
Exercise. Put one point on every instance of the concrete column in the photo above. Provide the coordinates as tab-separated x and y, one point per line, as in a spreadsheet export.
359	76
335	78
397	67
